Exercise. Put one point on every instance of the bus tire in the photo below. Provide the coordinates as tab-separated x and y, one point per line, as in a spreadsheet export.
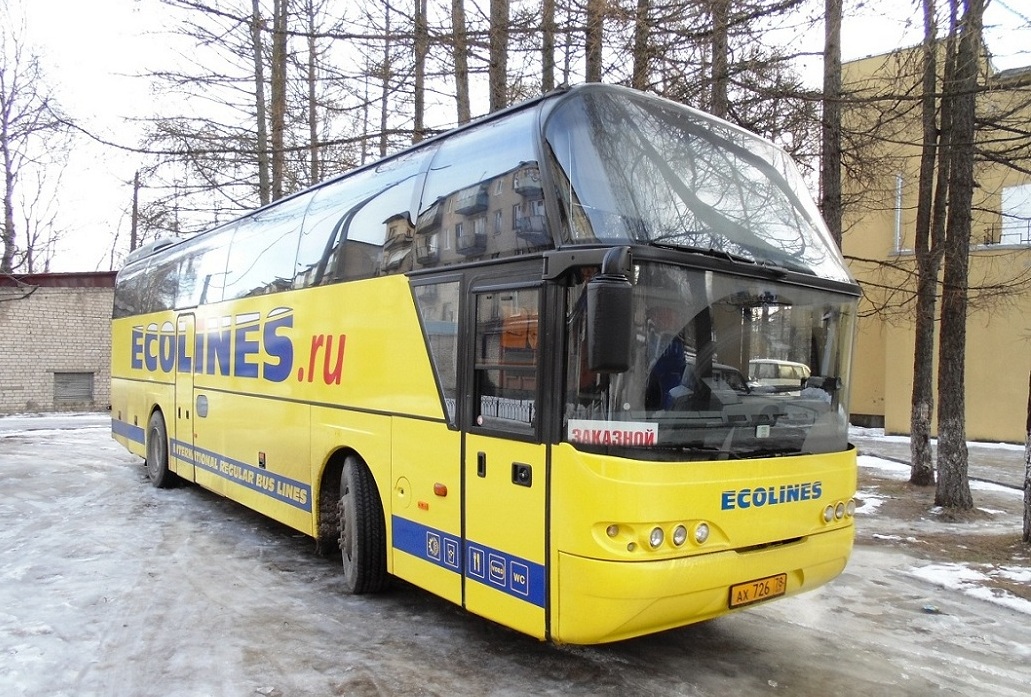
363	544
157	453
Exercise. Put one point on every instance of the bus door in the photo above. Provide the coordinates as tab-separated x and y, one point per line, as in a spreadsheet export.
181	452
505	467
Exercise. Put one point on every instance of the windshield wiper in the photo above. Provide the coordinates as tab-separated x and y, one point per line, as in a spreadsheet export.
710	252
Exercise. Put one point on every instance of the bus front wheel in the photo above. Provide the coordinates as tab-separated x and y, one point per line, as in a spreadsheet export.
362	530
157	453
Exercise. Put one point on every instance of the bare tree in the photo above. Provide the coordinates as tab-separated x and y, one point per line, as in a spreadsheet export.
830	157
594	39
31	128
460	48
719	11
929	233
548	30
498	39
279	91
953	490
260	105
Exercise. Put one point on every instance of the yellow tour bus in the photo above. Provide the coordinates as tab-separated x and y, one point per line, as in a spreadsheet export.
508	365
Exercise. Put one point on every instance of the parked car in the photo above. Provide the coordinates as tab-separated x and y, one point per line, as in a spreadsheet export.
774	375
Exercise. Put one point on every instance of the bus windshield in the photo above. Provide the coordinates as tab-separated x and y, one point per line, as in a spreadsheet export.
632	169
688	394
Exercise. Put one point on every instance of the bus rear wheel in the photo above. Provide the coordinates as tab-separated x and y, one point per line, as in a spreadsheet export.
362	530
157	453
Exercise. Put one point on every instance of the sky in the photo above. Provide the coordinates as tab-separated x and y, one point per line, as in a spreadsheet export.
94	52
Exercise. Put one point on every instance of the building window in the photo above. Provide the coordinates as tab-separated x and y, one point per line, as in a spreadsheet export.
1016	215
73	388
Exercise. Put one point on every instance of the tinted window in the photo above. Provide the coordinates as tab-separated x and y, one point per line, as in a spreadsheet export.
202	268
483	179
438	310
264	246
360	226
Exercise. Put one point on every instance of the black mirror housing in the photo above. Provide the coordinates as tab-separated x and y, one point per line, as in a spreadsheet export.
610	314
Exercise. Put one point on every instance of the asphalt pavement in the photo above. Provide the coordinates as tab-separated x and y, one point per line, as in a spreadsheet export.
998	463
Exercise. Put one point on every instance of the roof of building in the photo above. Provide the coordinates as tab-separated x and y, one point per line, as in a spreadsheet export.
78	279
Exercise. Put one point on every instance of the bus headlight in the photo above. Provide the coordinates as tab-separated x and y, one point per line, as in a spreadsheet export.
656	537
828	514
839	510
701	533
612	530
679	535
850	508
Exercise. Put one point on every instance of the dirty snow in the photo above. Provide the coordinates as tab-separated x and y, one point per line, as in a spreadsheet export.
110	587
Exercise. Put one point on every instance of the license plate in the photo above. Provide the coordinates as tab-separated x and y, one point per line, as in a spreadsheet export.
749	592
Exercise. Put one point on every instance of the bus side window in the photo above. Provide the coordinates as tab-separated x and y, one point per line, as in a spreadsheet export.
360	226
261	256
438	305
483	196
202	269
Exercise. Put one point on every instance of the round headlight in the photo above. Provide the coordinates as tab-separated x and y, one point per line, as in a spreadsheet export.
701	533
850	508
655	539
839	510
828	514
679	535
612	530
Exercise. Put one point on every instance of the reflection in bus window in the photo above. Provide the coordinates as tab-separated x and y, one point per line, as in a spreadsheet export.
261	256
485	180
438	311
202	272
360	226
506	357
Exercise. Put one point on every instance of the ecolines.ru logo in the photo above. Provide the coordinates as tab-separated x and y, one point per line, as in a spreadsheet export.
770	496
244	346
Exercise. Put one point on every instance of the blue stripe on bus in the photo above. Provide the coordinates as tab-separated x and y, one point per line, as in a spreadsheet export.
507	573
289	491
127	430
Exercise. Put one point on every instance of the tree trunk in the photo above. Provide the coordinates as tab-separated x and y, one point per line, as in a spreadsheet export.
830	161
1027	468
9	232
719	105
953	490
384	104
497	71
264	189
547	46
927	260
642	28
461	55
278	104
314	173
593	31
421	49
134	230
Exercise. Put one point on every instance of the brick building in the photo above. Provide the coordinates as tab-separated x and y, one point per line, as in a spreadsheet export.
55	341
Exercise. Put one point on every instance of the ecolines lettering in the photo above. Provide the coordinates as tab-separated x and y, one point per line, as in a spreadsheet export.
231	345
770	496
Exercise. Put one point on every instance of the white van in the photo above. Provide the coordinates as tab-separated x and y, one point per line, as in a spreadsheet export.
772	375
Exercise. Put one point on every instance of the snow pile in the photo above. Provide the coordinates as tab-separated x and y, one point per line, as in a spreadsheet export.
974	580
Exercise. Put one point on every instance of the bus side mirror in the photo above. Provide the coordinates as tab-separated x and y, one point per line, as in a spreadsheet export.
610	314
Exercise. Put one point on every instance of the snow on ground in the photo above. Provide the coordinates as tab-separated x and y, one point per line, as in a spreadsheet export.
974	580
878	433
110	587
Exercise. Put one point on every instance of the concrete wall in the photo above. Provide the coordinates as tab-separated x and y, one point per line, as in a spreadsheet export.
54	323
